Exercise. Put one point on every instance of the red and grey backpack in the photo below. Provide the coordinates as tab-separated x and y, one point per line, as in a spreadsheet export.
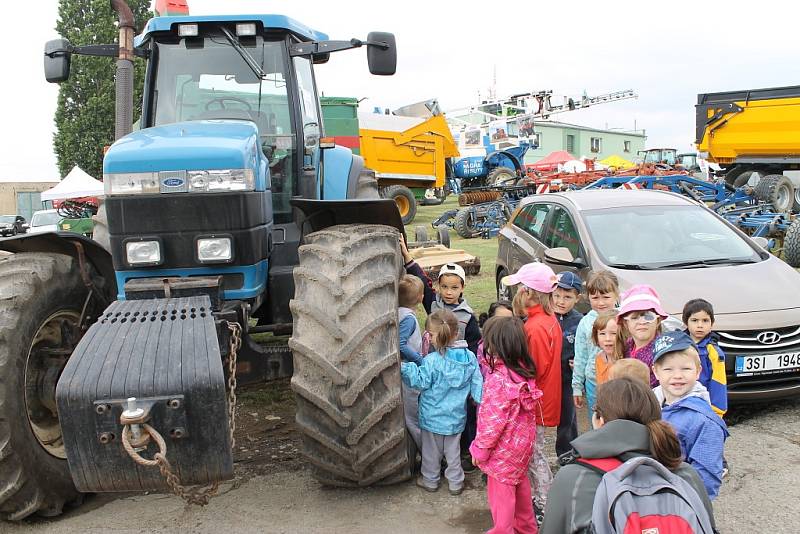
641	496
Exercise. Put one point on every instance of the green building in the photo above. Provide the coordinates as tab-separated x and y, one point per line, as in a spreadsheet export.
582	141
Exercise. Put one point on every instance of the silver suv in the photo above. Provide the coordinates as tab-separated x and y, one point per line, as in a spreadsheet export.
685	251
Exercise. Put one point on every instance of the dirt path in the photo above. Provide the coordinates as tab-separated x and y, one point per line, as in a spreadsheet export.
274	493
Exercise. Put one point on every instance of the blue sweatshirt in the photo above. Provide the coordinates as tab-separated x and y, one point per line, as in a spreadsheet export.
569	326
585	351
445	382
702	435
712	376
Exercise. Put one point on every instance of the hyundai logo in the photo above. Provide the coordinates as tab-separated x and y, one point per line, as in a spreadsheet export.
768	338
173	182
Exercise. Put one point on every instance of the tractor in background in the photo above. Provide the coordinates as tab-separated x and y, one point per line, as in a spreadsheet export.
227	214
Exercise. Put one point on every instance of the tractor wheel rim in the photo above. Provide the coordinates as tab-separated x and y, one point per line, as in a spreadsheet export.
402	205
50	349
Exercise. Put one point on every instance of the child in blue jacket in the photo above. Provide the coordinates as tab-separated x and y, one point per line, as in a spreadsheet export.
445	378
686	407
698	316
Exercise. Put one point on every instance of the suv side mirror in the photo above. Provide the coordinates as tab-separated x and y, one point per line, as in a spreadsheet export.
57	54
562	256
381	53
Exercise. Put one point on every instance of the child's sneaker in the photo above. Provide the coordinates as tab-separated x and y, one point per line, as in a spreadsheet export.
456	491
421	484
538	513
467	465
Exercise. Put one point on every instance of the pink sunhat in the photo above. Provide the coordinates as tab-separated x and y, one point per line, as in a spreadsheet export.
641	297
534	275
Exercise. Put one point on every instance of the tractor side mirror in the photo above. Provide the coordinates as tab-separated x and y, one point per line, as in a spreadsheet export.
57	55
381	53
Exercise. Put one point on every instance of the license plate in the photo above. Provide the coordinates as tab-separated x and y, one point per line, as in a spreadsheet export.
767	363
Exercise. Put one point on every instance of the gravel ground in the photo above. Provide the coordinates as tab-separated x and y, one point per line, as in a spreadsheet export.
273	493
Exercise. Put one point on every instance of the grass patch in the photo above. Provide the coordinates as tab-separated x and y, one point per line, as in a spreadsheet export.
480	289
274	392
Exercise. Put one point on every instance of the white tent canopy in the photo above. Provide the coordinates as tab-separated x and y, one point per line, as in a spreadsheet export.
76	184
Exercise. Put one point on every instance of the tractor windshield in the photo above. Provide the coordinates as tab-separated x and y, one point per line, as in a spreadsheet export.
207	78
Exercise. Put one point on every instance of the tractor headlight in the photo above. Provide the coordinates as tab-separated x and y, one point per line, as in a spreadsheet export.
139	253
213	181
214	249
130	183
221	180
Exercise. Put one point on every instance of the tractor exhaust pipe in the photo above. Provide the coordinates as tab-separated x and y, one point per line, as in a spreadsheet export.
123	123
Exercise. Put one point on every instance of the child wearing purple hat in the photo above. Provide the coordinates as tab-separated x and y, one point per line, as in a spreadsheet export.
640	315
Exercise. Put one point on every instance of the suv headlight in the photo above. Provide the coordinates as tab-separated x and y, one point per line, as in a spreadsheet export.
221	180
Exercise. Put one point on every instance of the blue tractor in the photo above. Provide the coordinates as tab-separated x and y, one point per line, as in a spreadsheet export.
498	168
227	214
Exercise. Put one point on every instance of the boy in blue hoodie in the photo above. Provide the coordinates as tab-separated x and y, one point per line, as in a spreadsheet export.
686	406
698	316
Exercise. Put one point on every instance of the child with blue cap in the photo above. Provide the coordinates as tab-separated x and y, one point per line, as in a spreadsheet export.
565	296
686	406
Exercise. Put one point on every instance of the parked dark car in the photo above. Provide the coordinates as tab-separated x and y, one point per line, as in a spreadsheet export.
12	225
685	251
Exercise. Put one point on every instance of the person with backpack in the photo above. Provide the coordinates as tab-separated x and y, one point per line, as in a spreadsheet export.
598	482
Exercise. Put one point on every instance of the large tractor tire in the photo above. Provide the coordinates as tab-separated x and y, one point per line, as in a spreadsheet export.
346	363
40	309
501	176
404	198
778	190
791	244
465	222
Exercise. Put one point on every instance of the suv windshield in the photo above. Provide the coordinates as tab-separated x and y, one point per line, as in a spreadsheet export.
43	218
208	79
654	237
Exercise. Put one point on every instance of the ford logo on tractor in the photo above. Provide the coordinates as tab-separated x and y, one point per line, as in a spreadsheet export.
173	182
768	338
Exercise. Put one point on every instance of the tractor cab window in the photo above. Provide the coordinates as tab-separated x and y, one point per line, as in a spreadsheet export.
308	109
206	78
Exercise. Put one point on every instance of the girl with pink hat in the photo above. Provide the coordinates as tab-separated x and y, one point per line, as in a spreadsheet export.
641	314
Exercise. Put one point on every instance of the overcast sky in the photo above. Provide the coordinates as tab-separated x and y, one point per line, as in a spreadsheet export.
665	51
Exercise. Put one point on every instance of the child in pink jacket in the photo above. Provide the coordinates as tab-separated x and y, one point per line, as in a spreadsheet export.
507	426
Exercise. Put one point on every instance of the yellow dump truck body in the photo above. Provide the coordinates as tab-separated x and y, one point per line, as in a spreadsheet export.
413	157
760	126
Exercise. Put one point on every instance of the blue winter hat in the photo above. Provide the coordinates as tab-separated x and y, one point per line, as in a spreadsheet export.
569	280
671	342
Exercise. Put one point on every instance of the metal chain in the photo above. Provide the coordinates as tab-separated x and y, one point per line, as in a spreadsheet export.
199	495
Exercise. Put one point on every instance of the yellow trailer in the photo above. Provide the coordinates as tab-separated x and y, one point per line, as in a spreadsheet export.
750	131
409	156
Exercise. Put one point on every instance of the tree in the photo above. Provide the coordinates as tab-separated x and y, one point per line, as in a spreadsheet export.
85	114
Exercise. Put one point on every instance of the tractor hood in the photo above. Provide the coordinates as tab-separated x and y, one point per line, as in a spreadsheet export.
207	144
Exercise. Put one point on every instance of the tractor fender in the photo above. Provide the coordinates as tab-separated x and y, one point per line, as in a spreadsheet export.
69	244
320	214
497	159
340	171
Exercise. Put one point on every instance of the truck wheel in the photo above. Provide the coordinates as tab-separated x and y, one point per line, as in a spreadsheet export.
346	363
791	244
420	234
501	176
778	190
404	198
444	236
465	222
39	315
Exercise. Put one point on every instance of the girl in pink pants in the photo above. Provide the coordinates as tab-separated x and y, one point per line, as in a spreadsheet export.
507	426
